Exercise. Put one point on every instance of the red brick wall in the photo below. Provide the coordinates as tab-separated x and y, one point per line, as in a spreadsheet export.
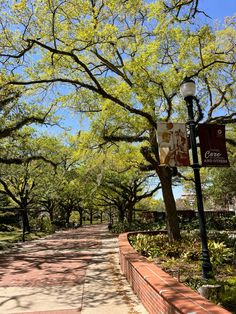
159	292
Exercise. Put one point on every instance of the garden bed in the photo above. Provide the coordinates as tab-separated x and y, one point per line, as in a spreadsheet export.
182	260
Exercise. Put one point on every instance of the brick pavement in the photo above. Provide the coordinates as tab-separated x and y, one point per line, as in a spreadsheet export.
69	272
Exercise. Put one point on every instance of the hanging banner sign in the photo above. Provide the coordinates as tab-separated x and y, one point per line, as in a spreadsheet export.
213	146
173	144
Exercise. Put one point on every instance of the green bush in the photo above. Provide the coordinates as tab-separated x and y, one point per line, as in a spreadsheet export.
158	245
185	256
6	228
42	224
8	218
136	226
46	225
148	245
223	236
227	297
221	223
227	294
220	253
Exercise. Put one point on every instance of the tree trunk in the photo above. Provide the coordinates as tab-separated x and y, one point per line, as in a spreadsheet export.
165	175
26	220
121	214
51	213
80	216
67	217
130	208
25	223
129	215
91	216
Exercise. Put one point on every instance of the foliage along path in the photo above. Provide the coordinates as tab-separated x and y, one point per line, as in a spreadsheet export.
74	271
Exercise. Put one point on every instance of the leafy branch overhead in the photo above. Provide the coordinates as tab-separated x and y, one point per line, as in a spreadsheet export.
126	51
120	63
14	116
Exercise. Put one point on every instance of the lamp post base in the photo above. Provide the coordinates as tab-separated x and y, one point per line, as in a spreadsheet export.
207	272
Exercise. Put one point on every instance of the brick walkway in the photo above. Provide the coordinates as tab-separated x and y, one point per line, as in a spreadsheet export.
62	274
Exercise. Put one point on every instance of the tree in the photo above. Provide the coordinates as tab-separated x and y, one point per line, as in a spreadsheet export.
16	186
124	191
113	175
122	62
27	173
15	113
15	116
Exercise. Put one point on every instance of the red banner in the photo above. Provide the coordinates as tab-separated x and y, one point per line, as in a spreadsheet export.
213	146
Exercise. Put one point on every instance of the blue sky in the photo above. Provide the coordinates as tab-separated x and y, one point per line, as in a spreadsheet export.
218	9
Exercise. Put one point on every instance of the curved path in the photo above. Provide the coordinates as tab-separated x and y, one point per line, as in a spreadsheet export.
70	272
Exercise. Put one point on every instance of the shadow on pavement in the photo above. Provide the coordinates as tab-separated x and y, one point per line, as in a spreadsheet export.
67	270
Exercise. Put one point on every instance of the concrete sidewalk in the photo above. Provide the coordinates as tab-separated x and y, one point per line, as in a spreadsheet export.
71	272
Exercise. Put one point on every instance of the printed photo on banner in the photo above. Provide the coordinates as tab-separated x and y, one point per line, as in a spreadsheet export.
173	144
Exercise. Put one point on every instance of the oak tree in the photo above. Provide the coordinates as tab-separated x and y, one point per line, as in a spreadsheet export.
122	61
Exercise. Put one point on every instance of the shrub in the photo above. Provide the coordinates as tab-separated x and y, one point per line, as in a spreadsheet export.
222	236
121	227
219	253
42	224
148	245
6	228
227	297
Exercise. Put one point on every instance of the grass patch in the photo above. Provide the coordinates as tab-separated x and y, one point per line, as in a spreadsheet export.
9	238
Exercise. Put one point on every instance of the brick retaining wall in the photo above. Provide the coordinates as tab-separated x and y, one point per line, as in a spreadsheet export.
158	291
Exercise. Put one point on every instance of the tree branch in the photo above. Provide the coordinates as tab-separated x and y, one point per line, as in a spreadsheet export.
123	138
18	125
229	119
21	54
68	54
231	141
145	151
99	91
148	194
9	193
210	64
180	175
113	68
19	161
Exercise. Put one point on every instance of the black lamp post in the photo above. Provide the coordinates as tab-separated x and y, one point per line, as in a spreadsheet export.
187	90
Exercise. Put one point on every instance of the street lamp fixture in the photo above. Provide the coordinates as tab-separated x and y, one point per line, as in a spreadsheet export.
188	90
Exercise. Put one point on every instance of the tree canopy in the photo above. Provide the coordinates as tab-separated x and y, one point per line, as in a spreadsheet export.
121	63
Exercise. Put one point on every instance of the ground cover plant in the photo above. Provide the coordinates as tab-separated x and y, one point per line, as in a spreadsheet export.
8	239
213	222
182	259
11	234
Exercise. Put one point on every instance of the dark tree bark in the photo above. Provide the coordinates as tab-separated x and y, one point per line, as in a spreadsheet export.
91	216
81	216
165	175
130	215
25	223
121	214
